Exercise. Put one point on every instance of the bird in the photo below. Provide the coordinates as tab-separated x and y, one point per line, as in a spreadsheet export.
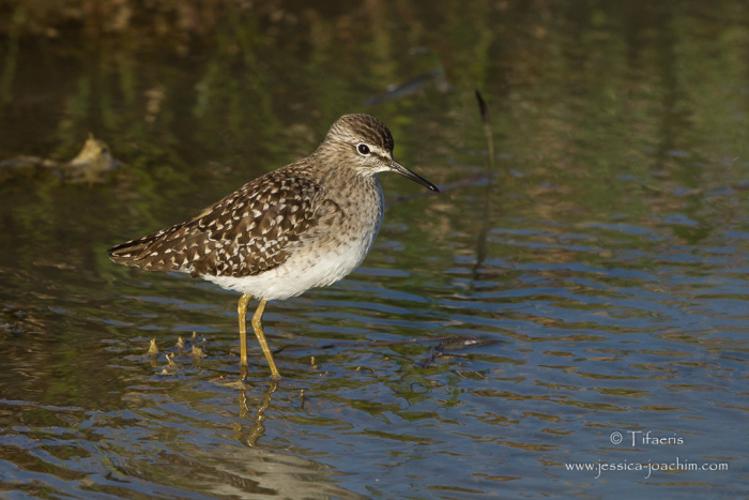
307	224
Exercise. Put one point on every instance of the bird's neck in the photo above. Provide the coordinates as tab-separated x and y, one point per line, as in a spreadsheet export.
326	160
344	184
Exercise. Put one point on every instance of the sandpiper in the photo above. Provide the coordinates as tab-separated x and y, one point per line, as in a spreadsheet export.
304	225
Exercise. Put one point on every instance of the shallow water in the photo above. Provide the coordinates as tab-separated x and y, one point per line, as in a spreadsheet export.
594	281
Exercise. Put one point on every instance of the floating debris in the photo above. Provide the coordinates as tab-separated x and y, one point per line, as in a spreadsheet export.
231	384
457	343
448	347
153	349
170	360
92	161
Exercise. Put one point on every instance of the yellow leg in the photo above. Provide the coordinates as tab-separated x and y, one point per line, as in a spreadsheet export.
258	328
242	313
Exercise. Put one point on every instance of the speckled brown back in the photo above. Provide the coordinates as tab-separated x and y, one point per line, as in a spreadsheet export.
244	234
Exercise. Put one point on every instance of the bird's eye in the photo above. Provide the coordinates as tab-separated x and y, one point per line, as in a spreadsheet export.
363	149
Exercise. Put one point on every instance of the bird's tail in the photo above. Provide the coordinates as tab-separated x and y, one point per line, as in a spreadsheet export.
155	252
132	252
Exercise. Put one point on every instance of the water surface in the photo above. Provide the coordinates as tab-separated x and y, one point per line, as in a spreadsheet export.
594	281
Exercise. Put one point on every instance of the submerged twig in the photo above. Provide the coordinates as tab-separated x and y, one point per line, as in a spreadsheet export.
450	345
485	119
483	233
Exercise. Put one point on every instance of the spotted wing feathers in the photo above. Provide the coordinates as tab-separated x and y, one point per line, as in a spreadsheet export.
250	231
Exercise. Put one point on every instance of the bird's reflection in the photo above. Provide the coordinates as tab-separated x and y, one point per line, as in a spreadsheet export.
258	428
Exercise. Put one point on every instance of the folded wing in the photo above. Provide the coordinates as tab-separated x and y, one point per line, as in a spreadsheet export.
248	232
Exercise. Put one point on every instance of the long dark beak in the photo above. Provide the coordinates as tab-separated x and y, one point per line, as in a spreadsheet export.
400	169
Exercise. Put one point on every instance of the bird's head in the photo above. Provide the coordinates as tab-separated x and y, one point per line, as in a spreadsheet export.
364	143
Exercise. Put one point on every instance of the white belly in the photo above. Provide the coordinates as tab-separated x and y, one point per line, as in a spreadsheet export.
320	260
302	270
